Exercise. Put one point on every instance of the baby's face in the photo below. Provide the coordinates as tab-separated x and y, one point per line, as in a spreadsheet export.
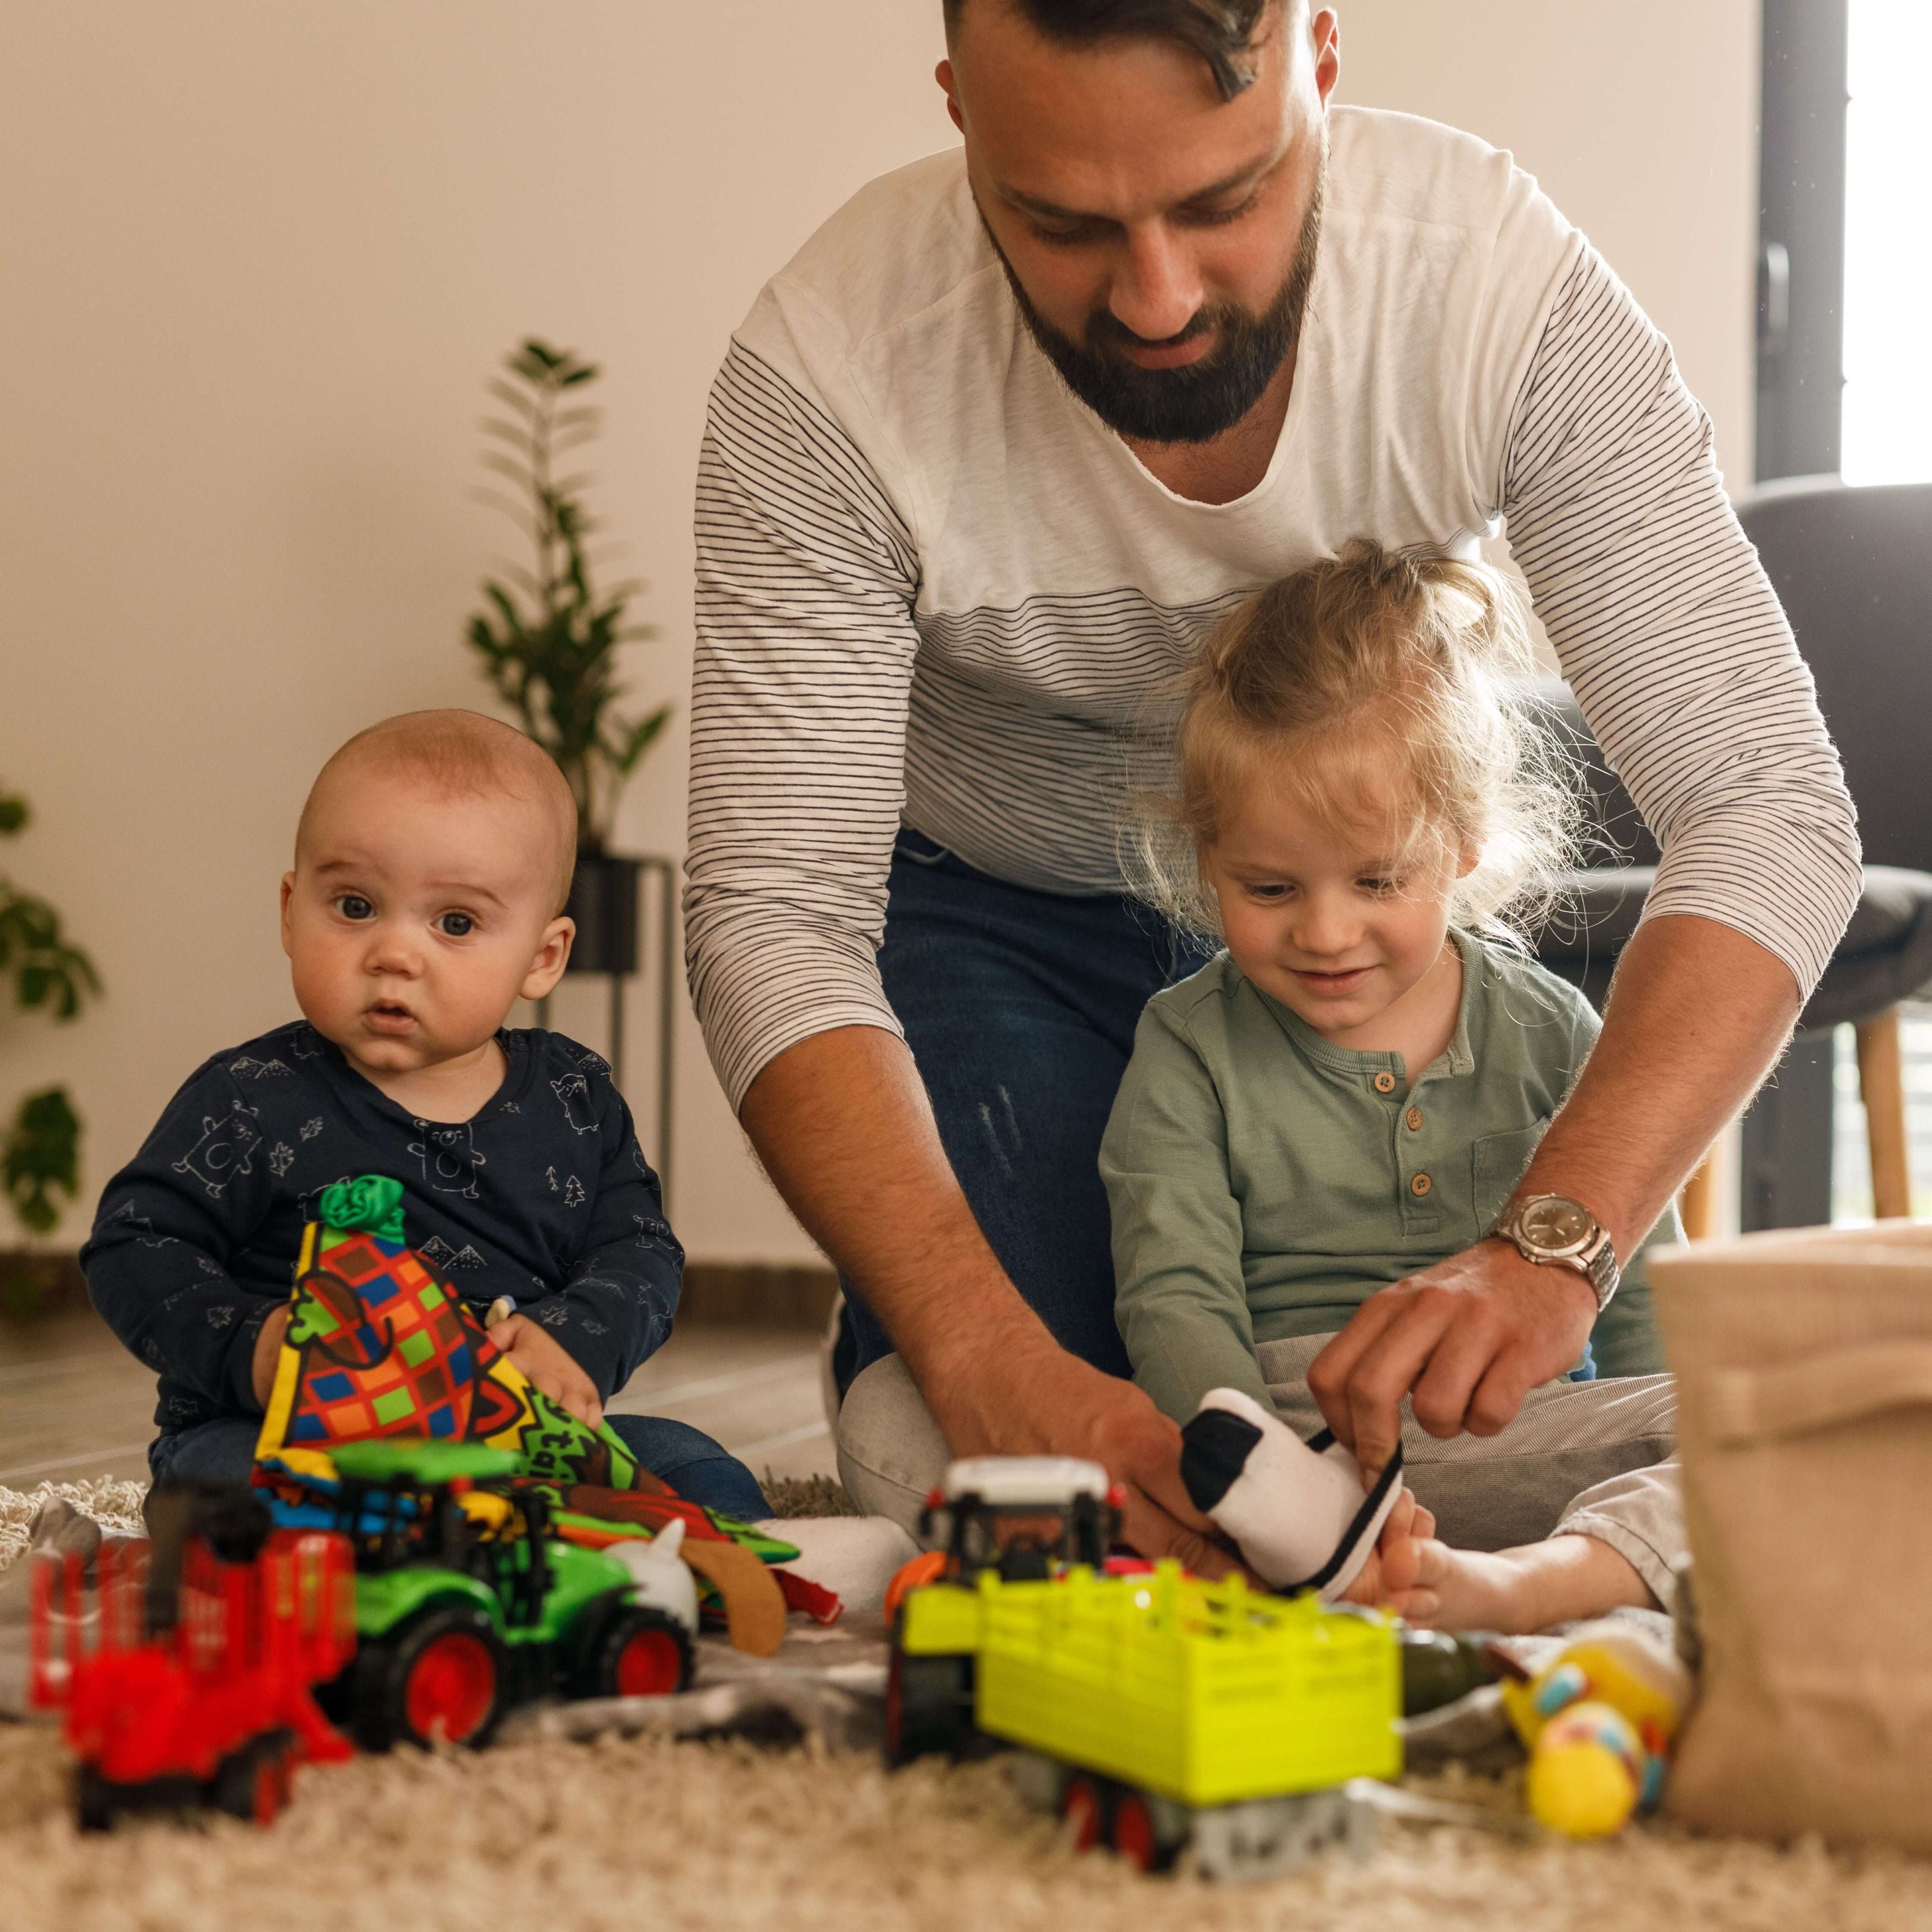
414	917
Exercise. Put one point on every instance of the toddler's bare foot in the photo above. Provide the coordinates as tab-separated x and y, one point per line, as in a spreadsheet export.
1408	1522
1510	1591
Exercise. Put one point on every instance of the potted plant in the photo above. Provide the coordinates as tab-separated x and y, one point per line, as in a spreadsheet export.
39	1149
549	643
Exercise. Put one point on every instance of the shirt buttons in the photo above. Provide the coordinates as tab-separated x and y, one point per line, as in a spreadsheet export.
1420	1185
1413	1117
1383	1082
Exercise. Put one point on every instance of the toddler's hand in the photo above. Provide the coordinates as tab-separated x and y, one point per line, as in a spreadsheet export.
550	1367
268	1349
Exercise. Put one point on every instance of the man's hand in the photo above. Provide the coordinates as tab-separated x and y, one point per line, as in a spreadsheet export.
1676	1060
550	1367
1470	1337
268	1349
843	1125
1050	1403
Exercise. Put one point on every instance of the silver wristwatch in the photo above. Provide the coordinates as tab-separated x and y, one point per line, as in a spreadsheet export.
1558	1232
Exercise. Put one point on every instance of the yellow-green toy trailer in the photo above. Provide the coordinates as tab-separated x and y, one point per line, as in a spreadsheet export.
1194	1705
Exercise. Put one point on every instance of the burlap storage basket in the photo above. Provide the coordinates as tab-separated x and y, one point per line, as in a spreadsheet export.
1804	1383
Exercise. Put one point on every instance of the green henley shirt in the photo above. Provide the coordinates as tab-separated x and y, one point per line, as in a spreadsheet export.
1264	1181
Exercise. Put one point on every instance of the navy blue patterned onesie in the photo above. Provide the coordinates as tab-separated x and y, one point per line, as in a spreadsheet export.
544	1195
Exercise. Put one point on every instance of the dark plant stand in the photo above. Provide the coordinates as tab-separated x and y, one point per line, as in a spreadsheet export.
605	897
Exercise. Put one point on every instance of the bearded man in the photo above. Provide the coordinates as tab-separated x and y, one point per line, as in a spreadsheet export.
982	463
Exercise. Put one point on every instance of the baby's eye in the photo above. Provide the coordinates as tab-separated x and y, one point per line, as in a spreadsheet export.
456	925
1380	885
353	905
1268	894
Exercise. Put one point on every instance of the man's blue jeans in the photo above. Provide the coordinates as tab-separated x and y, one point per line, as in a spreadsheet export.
696	1467
1020	1008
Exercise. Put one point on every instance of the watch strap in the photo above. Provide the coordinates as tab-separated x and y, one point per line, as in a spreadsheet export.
1598	1263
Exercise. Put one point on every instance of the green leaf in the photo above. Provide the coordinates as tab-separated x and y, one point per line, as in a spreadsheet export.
519	399
509	466
507	506
551	653
513	618
40	1155
642	735
517	435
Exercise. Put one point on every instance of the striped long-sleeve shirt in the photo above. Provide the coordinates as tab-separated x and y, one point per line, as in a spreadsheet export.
935	590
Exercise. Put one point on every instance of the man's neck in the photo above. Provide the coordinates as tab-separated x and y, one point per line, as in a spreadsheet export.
1232	463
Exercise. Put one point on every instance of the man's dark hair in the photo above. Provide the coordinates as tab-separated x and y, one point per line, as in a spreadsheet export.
1221	31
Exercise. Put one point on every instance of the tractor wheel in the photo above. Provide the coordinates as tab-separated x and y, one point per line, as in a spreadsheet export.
335	1696
252	1783
1135	1836
639	1652
1084	1805
438	1679
928	1706
94	1800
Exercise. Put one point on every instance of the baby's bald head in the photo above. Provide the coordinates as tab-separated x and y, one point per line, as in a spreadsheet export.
461	753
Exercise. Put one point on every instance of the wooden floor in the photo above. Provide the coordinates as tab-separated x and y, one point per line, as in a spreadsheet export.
73	1402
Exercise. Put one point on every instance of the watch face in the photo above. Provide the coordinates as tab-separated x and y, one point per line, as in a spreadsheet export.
1556	1225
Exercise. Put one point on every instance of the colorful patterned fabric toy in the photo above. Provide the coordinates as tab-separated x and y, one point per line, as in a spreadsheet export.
379	1344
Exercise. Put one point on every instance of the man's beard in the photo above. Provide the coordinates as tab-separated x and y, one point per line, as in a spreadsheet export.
1198	402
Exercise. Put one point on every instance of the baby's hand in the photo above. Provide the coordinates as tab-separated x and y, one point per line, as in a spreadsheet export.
549	1366
267	1350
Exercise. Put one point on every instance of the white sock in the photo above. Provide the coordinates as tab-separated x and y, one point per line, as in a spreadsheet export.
1297	1509
854	1557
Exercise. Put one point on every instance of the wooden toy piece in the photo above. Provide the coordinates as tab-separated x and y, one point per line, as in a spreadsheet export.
755	1604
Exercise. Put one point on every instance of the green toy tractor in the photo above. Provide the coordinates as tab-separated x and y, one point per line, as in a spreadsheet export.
467	1603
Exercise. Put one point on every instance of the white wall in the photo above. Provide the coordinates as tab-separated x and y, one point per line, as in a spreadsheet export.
1640	118
255	263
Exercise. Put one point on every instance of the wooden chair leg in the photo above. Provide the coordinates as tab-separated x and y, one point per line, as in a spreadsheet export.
1881	1082
1698	1204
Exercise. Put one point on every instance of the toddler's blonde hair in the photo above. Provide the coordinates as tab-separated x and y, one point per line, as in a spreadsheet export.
1379	688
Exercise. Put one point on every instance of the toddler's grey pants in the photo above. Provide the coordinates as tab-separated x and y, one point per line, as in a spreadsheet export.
1591	1458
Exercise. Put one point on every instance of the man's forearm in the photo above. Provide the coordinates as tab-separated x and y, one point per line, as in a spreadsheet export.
1697	1016
843	1125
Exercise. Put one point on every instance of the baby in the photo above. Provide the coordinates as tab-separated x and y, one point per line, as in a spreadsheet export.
1351	1091
432	862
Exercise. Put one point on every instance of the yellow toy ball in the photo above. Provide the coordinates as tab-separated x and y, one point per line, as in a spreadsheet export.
1586	1772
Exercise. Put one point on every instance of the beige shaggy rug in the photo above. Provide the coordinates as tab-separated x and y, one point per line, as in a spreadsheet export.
636	1834
643	1833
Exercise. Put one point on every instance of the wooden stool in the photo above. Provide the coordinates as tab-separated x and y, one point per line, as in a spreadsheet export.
1882	1084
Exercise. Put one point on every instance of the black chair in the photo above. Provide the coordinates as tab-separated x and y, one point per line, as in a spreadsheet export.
1853	567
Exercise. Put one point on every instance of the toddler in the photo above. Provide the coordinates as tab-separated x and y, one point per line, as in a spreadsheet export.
1351	1090
432	861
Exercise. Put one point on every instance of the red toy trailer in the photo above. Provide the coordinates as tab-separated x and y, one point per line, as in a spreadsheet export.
199	1693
